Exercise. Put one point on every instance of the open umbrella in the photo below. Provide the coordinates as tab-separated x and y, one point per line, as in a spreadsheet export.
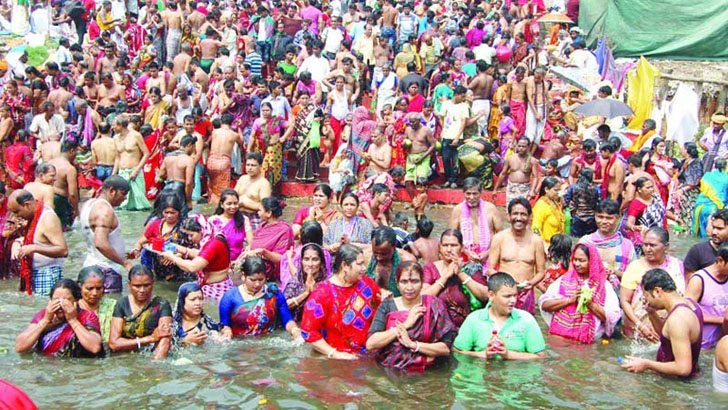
555	18
605	107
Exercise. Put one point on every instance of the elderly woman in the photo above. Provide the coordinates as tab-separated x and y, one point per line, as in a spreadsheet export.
410	331
340	310
548	212
91	280
645	211
141	318
164	225
255	307
62	328
581	305
273	238
190	324
232	223
350	227
462	287
688	188
320	211
631	296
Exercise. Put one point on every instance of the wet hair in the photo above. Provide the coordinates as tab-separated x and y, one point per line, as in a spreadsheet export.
253	265
273	205
454	233
44	168
661	233
472	182
378	188
584	188
188	140
607	206
399	219
68	145
547	183
425	227
409	266
116	182
346	254
635	160
560	249
89	272
658	278
239	218
350	195
382	234
69	284
311	232
640	182
722	215
324	189
168	199
520	201
255	156
500	279
140	270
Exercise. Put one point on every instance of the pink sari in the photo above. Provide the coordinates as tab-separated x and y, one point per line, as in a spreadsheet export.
275	237
568	322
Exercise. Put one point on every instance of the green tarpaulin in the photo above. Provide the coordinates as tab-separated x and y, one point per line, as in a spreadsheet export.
670	29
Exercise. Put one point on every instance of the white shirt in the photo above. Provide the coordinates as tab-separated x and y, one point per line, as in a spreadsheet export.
484	52
281	106
44	128
63	55
334	37
318	67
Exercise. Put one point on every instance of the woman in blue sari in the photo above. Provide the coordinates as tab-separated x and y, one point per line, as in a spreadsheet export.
190	324
713	197
255	307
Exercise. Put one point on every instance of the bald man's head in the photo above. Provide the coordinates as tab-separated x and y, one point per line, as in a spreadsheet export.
22	203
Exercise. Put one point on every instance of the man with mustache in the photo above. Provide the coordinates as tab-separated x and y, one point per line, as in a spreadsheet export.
703	254
519	252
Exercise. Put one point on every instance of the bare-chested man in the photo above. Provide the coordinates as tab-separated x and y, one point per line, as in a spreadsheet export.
350	82
516	95
379	153
102	231
195	19
42	188
252	188
636	168
482	85
51	148
178	169
132	154
6	123
373	209
90	89
65	197
538	107
424	247
109	94
520	253
155	80
181	62
422	143
48	248
103	152
388	22
381	256
173	20
60	96
208	49
222	143
107	63
613	172
521	171
470	215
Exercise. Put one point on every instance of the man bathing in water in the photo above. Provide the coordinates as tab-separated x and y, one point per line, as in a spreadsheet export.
42	188
178	169
422	143
384	258
132	154
65	197
252	188
222	142
477	220
520	252
103	152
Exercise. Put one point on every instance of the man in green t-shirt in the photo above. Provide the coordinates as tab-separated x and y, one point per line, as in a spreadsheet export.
500	330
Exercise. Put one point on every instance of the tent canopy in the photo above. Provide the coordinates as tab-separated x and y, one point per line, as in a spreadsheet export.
669	29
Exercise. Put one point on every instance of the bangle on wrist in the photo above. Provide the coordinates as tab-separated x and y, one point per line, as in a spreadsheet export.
331	353
417	347
465	282
139	344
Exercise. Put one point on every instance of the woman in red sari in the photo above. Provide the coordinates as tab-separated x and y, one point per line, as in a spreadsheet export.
19	103
19	161
62	328
409	332
339	312
397	132
415	98
273	238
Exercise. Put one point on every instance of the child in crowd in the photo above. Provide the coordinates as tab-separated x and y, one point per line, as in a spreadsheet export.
559	254
424	247
419	202
400	223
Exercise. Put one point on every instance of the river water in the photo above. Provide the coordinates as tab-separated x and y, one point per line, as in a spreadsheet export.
273	372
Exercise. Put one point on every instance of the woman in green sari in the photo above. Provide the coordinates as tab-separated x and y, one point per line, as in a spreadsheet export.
266	138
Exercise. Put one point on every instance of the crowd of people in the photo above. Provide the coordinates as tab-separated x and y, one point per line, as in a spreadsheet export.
159	106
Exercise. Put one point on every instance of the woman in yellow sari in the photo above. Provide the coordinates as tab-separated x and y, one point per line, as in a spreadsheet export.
406	56
265	137
499	97
154	107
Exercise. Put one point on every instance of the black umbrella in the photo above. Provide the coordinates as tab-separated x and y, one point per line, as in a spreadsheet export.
605	107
